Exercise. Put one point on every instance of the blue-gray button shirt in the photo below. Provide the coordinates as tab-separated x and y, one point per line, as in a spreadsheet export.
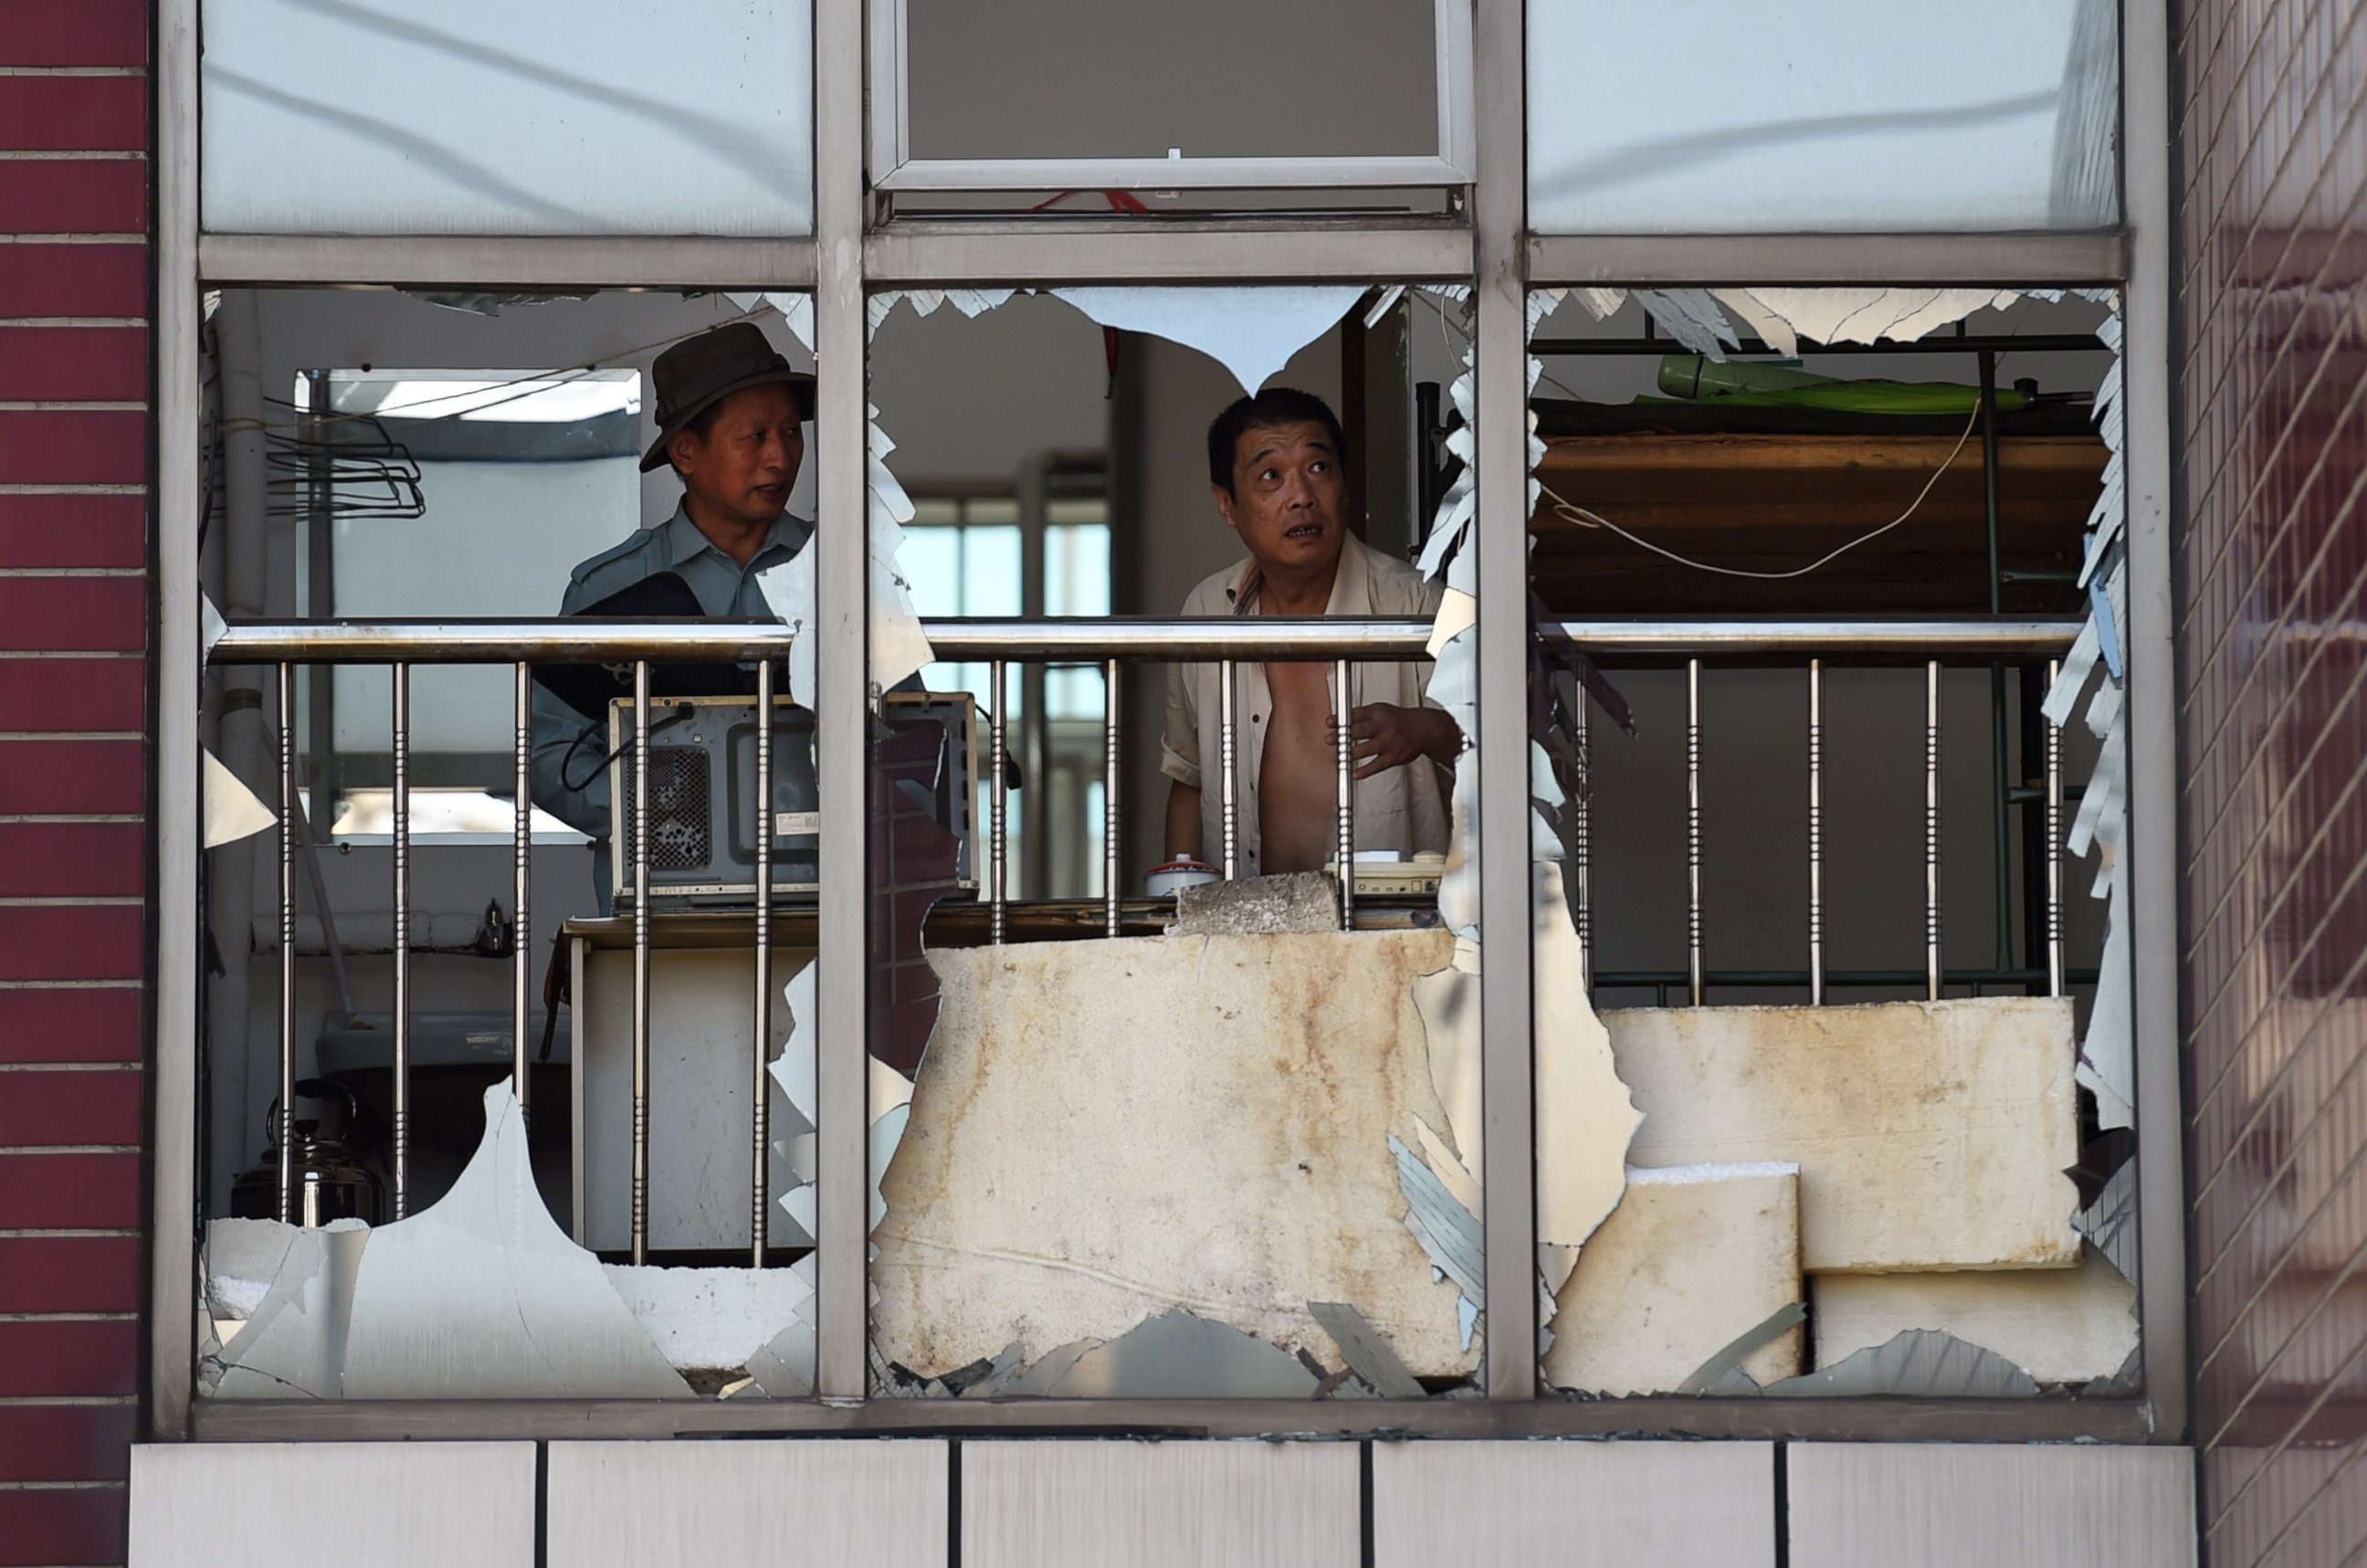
563	752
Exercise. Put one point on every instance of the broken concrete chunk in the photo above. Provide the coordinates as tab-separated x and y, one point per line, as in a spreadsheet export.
1930	1135
1103	1131
1689	1261
1248	906
2060	1325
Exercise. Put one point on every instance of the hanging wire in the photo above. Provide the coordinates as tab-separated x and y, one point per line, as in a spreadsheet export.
1571	511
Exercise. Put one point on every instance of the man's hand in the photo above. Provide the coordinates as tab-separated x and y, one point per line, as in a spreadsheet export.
1384	736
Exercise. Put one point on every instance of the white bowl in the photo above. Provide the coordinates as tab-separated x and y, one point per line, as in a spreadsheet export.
1164	882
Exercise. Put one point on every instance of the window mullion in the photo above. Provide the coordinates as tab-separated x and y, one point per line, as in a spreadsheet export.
1507	1178
173	1302
842	674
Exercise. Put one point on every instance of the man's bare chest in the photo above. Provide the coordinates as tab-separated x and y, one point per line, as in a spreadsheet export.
1300	700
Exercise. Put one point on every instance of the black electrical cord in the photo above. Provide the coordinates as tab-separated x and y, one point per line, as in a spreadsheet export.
681	715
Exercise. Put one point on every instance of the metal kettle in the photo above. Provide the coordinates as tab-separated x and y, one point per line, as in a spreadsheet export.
329	1182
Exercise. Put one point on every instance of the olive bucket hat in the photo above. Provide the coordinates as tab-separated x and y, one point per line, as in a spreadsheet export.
699	372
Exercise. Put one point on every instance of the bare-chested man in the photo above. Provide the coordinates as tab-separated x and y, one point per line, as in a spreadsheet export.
1274	469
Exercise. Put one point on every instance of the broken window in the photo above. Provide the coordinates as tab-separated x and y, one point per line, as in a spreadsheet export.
446	1159
1131	1141
1040	546
441	116
438	493
1702	116
1171	1090
1855	1118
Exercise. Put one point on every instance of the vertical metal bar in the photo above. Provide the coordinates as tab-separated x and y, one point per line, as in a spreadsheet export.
2000	775
1034	694
2156	955
319	583
522	868
2054	844
641	962
1227	740
2000	818
401	940
1991	513
1816	832
760	1205
1695	989
1343	705
1111	846
1932	829
843	708
284	1132
1581	849
2030	752
999	797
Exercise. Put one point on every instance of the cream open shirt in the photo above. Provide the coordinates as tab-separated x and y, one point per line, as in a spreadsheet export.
1401	809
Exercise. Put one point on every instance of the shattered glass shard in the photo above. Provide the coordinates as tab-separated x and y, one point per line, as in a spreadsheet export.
1179	1355
482	1295
1252	332
1918	1361
1367	1354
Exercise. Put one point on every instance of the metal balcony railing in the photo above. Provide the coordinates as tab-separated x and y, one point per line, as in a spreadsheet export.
1110	641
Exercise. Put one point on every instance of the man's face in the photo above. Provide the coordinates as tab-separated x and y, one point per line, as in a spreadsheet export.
1288	495
741	469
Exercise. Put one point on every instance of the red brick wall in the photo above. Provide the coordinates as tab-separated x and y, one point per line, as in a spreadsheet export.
74	445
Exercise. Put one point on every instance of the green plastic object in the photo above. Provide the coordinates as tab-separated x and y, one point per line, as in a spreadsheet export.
1691	378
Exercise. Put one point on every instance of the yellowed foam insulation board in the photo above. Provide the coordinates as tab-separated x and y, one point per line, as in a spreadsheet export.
1691	1259
1106	1131
1930	1135
2061	1325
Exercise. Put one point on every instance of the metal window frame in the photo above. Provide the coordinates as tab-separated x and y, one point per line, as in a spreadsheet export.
543	261
894	168
852	255
2064	257
2163	1307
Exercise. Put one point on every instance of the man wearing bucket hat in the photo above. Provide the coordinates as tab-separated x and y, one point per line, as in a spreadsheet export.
730	411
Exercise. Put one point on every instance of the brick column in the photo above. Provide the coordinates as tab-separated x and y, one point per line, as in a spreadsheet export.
74	445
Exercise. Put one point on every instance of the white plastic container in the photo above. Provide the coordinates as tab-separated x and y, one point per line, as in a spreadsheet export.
1164	882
